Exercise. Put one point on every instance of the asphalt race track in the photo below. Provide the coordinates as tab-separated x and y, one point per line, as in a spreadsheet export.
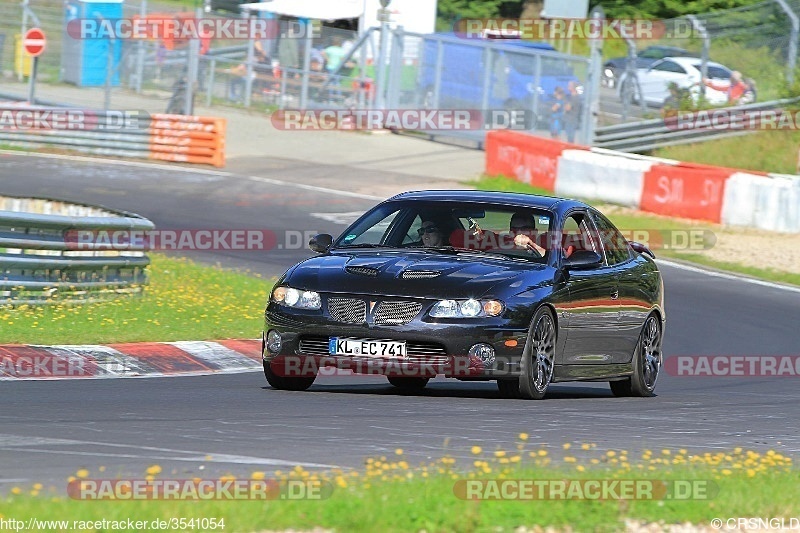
212	425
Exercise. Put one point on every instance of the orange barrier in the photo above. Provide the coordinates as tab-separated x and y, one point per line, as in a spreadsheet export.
529	159
685	190
188	139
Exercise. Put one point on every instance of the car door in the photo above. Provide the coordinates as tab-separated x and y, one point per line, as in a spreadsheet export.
655	80
591	311
632	302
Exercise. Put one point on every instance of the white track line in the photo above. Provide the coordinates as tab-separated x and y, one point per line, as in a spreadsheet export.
733	277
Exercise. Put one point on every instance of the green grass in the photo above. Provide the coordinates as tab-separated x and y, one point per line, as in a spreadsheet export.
643	221
184	301
766	151
390	495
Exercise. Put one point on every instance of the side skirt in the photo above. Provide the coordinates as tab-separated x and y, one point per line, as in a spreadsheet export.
591	372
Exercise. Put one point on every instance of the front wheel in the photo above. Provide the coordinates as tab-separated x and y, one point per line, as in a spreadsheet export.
538	359
647	360
287	383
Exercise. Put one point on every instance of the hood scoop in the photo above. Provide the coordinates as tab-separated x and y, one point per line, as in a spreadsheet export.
420	274
362	271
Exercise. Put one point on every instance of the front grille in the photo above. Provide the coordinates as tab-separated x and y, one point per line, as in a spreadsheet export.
396	313
348	310
429	352
362	271
420	274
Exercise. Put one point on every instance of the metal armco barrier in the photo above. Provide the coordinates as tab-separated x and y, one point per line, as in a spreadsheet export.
177	138
647	135
42	261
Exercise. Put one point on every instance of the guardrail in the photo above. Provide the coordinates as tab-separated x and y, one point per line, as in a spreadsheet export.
42	261
177	138
655	133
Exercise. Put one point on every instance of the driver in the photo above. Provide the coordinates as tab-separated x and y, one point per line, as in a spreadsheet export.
523	231
431	234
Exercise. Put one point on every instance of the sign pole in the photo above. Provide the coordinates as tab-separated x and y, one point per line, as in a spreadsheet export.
32	81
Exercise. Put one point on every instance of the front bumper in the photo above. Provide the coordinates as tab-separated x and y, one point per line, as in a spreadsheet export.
434	346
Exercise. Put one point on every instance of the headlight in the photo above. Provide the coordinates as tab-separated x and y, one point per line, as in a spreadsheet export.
299	299
466	308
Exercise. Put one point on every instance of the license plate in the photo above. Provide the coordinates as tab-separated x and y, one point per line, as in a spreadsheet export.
366	347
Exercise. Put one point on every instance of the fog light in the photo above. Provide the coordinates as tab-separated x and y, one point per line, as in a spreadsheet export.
484	352
273	341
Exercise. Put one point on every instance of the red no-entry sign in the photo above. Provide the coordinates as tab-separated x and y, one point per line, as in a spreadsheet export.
34	42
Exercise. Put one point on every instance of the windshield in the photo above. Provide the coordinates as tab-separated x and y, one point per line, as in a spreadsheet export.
452	227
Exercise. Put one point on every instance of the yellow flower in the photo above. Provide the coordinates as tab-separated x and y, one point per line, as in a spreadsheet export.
499	453
398	451
523	436
82	473
476	450
152	470
542	453
16	490
258	475
567	446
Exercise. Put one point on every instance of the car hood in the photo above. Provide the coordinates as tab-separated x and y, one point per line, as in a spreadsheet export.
413	274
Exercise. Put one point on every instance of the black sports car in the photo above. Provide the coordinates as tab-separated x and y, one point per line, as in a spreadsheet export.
522	289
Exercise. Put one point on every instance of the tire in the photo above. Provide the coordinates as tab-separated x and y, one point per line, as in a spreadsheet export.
287	383
627	85
408	384
538	358
647	360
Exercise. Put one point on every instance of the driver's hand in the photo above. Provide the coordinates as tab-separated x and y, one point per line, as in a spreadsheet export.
522	240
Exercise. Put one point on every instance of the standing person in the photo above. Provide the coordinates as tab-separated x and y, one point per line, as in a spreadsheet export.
557	113
334	54
735	90
572	111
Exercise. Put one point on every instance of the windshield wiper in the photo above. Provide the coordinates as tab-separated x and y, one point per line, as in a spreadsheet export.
364	245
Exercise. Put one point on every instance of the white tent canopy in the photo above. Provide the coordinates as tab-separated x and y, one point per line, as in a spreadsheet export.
311	9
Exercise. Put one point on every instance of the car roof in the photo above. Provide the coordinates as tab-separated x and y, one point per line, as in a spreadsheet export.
512	199
690	61
511	41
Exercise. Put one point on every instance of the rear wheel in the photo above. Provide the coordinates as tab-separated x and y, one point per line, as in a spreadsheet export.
647	359
409	384
287	383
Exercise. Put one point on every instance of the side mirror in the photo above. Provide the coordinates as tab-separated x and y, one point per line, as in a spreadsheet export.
320	243
583	260
642	249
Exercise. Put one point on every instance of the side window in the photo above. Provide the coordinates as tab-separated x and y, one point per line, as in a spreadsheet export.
616	247
669	66
412	235
578	235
